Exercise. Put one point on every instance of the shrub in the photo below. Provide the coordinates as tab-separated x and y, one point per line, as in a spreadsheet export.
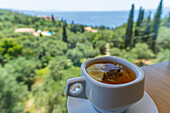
142	50
101	45
75	56
163	55
115	52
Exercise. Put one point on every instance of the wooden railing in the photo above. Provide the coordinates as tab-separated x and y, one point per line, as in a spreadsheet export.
157	84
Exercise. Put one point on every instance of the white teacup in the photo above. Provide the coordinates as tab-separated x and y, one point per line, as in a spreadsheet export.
108	98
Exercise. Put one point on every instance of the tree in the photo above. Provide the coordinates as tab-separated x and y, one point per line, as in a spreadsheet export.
129	55
115	52
64	33
53	19
73	27
23	70
142	50
156	26
90	53
129	29
58	63
37	25
138	32
73	39
87	50
163	56
148	29
55	48
101	45
12	93
163	39
140	18
82	29
75	56
9	49
53	99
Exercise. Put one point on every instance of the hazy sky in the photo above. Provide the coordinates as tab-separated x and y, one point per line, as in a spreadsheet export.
80	5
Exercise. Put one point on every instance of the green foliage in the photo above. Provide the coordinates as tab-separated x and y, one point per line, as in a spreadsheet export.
156	25
72	40
117	39
90	53
167	23
2	36
64	33
23	70
129	55
87	50
115	52
163	55
35	69
147	29
82	29
163	40
58	63
73	27
61	62
142	50
9	49
55	48
101	45
44	49
53	19
75	56
128	36
12	93
50	96
76	28
52	88
140	18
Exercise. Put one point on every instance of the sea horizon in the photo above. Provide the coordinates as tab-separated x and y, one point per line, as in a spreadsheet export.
111	19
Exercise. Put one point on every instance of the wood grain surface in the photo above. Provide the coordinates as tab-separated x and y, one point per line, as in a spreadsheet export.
157	84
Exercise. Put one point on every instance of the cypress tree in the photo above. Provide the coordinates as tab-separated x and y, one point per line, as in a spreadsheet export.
138	26
140	18
128	36
52	17
156	26
82	29
72	23
148	28
73	27
64	33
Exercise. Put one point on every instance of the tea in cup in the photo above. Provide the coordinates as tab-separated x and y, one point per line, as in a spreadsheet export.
110	83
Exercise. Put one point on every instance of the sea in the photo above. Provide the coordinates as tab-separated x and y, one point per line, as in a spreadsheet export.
111	19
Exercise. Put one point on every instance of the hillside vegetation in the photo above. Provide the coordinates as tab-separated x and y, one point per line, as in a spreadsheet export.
34	69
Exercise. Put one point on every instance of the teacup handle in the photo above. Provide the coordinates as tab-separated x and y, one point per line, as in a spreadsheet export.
80	93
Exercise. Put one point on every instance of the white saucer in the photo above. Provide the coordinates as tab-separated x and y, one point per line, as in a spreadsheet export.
145	105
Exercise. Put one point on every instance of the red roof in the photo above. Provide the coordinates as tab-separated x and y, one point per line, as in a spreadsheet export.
47	18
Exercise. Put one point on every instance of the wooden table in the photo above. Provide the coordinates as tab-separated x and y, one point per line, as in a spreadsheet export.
157	84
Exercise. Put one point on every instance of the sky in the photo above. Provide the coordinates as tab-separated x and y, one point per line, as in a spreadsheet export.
80	5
